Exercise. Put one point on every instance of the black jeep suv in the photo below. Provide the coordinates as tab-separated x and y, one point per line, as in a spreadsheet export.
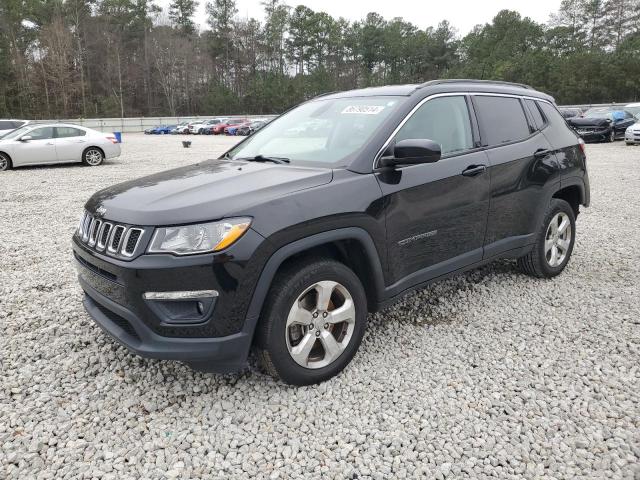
334	209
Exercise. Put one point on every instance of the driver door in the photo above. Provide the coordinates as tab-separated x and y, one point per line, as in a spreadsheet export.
41	148
436	213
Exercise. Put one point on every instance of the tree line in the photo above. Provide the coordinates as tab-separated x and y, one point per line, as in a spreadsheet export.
113	58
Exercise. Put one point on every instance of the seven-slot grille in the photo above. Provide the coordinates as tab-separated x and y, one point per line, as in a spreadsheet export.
102	235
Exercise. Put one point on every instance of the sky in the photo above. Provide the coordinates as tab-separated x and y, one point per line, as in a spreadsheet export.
462	14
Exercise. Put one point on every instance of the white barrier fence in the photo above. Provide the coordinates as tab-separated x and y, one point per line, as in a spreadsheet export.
139	124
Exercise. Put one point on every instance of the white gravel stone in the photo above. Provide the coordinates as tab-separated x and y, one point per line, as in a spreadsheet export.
491	374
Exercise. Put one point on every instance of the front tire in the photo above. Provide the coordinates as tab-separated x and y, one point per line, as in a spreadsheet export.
554	242
5	162
92	156
313	323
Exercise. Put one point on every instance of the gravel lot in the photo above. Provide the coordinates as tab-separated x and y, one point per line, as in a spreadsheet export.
488	375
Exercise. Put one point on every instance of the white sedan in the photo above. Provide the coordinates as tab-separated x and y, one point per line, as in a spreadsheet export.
40	144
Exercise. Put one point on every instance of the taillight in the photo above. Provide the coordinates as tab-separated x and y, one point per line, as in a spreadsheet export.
112	139
582	146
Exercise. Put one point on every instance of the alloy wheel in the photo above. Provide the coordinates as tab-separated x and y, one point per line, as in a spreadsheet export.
93	157
320	324
558	239
4	163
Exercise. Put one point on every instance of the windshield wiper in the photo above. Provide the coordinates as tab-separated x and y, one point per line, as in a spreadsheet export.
262	158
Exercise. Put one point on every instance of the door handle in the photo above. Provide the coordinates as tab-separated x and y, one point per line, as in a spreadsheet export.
473	170
541	153
80	141
50	143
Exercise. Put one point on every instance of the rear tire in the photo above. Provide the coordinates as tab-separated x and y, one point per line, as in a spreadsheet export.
92	156
612	136
554	242
5	162
313	322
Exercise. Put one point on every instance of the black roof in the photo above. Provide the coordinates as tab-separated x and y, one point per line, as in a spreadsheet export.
443	86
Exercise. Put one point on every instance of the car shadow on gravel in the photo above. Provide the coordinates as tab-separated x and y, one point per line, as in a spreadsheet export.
436	303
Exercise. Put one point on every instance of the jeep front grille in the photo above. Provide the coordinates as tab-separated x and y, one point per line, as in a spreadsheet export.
114	239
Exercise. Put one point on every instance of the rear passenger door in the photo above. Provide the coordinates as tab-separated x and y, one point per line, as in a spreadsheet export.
70	143
522	167
436	213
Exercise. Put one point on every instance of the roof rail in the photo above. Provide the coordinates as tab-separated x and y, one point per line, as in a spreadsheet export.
468	80
325	94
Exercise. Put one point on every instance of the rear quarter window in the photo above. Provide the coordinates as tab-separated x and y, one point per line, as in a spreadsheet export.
535	113
502	120
6	125
552	114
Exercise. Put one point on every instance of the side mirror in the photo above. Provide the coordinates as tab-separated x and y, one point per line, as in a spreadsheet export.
26	138
412	151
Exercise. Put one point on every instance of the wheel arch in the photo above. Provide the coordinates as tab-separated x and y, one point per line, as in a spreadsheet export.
573	192
352	246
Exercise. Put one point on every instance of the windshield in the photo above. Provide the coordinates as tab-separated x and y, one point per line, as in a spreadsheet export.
324	131
599	114
16	133
633	110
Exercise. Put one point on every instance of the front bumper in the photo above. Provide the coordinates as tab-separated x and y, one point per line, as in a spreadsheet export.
632	137
599	136
220	355
219	340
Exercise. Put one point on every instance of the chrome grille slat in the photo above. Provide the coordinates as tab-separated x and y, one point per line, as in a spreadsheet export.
111	238
85	228
103	236
116	239
95	228
129	251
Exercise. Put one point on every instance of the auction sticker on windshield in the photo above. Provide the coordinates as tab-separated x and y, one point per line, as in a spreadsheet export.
364	109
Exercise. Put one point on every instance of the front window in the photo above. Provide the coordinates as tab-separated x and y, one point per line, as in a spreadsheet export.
445	120
323	131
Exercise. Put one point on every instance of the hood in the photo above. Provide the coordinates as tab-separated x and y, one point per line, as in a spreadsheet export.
205	191
589	122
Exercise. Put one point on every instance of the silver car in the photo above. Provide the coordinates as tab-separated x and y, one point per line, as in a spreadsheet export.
39	144
632	134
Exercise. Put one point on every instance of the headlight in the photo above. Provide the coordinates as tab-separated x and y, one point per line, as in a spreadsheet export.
200	238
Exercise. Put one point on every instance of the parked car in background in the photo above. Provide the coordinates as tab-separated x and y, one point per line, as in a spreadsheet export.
38	144
219	128
201	128
7	126
632	134
233	123
163	129
180	128
233	129
250	127
633	109
602	124
288	240
570	112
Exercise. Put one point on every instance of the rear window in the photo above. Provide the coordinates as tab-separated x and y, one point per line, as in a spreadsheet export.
6	125
502	120
64	132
